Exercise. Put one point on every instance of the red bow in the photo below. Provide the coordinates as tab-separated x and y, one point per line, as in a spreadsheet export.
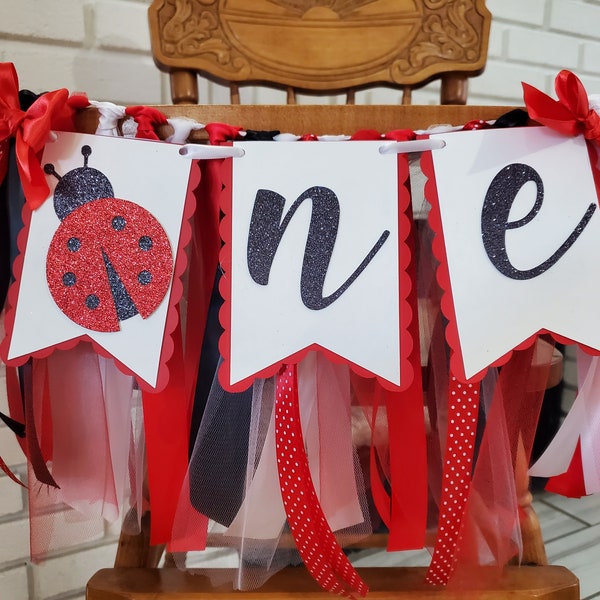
570	114
147	119
31	130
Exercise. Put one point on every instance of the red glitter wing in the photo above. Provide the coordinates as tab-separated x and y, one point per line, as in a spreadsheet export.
131	239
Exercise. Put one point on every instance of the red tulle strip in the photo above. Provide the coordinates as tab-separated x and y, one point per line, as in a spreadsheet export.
493	535
80	429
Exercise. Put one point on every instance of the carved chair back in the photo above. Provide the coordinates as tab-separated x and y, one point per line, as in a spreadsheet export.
320	46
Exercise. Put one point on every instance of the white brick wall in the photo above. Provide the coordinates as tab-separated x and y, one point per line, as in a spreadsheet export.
97	46
532	40
102	47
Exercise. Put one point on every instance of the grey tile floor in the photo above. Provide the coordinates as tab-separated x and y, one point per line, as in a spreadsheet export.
571	530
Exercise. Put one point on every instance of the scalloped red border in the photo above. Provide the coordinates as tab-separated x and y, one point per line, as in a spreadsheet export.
443	279
405	285
176	293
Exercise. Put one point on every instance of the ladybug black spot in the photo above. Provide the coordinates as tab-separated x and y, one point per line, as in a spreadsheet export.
145	242
74	244
144	277
118	223
92	301
69	279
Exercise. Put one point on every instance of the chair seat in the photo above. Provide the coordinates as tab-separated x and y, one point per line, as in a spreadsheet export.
553	582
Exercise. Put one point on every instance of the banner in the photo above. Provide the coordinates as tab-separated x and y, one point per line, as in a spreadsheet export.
515	212
98	256
314	235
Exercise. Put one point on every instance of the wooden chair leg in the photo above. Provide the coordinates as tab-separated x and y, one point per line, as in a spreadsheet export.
454	89
134	550
184	87
534	552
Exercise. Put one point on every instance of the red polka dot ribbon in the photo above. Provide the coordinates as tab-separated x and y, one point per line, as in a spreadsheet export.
318	548
463	404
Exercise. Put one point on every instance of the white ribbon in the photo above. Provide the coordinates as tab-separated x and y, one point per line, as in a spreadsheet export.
109	116
582	423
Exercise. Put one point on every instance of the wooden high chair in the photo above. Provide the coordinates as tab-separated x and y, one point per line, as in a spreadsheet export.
321	46
135	576
324	46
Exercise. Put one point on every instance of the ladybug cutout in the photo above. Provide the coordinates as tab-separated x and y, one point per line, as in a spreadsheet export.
109	259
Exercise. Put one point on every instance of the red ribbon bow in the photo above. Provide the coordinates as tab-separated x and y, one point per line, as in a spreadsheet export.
570	114
147	119
31	130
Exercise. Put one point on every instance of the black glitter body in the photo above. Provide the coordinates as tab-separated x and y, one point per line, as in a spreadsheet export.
495	221
267	229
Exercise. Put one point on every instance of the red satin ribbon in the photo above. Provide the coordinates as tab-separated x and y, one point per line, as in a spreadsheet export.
219	133
31	130
166	425
476	124
147	119
4	147
404	511
463	406
406	413
570	114
398	135
318	548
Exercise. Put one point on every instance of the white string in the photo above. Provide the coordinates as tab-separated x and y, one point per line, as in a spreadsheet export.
204	152
412	146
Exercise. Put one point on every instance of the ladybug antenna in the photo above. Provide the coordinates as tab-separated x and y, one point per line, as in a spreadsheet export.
86	151
49	170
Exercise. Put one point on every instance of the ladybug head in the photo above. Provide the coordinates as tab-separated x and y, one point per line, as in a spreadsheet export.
78	186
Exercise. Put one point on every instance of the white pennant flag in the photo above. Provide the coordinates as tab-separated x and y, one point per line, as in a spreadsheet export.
100	252
521	231
313	258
